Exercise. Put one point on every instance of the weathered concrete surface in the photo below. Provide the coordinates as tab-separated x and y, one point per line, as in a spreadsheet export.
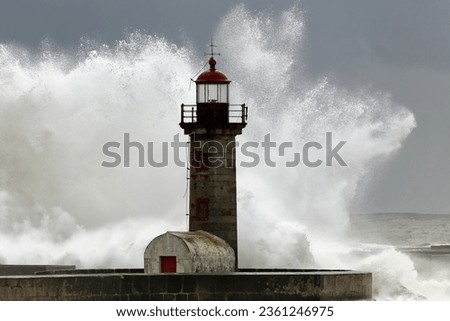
92	271
31	269
195	252
325	285
212	178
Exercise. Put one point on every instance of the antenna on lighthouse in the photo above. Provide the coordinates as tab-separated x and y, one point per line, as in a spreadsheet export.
211	49
212	53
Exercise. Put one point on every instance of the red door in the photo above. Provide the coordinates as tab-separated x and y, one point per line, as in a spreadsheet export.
168	264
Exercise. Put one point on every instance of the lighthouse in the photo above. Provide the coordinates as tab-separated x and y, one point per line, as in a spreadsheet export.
212	125
211	243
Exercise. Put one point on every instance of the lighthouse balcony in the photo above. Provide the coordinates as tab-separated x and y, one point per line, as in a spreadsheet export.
214	115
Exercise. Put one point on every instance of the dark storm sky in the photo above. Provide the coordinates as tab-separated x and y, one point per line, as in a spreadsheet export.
401	47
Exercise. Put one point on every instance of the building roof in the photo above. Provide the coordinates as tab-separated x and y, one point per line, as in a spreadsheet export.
212	76
203	242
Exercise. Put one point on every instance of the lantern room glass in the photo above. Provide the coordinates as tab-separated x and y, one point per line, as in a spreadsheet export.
212	93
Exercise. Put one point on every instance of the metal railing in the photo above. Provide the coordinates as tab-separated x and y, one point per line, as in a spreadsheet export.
188	113
237	114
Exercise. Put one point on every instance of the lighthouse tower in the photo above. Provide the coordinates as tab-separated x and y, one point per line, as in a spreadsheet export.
212	125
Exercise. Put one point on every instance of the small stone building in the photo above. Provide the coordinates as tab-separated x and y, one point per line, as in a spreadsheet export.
188	252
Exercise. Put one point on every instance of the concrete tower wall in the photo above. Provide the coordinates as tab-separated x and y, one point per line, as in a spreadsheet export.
212	196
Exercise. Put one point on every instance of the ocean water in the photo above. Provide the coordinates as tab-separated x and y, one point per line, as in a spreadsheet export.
415	249
401	229
58	205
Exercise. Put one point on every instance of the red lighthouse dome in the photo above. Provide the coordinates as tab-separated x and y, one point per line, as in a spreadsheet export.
212	85
212	76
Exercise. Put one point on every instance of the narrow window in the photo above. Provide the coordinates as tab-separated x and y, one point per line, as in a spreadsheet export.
201	209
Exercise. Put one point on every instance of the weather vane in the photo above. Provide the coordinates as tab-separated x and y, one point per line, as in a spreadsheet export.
211	46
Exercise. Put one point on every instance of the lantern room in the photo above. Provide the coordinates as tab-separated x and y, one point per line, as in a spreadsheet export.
212	85
213	110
